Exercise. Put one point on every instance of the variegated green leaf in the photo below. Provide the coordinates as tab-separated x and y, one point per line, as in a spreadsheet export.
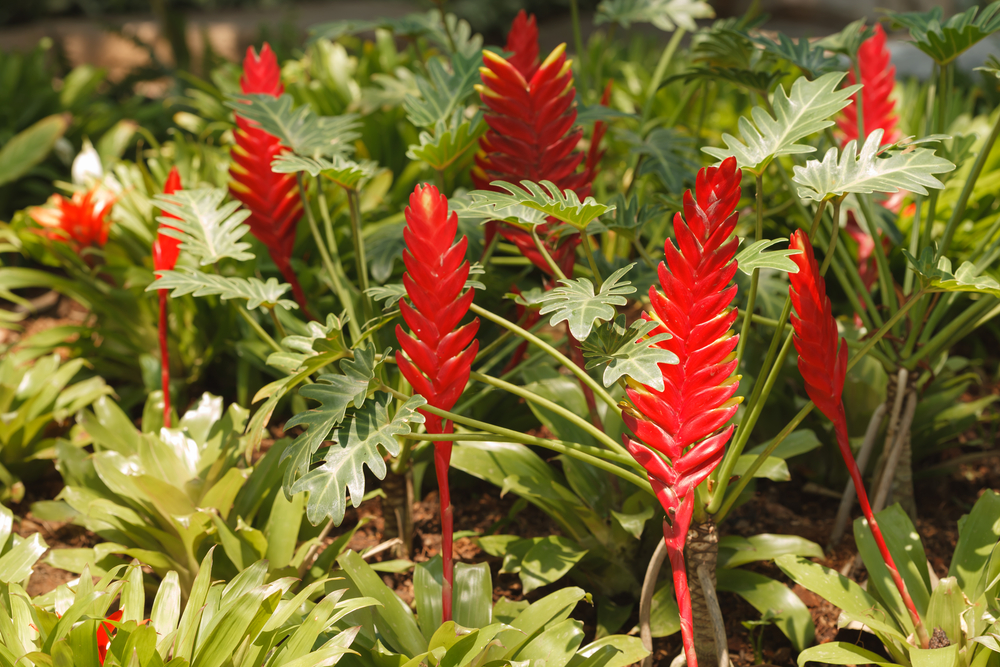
258	293
756	256
345	172
667	15
207	228
299	129
940	278
576	303
628	351
545	197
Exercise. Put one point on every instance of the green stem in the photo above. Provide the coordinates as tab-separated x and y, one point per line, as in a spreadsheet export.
661	69
914	248
278	327
834	236
885	281
359	252
957	325
574	10
598	390
970	183
589	252
755	276
645	255
545	254
259	330
581	423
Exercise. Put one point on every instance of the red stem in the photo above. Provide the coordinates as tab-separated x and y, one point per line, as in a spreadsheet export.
442	461
683	595
164	357
840	426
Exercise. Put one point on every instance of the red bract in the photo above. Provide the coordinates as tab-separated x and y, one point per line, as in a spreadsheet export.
166	248
436	358
106	632
80	221
530	114
878	76
823	365
698	395
522	44
272	199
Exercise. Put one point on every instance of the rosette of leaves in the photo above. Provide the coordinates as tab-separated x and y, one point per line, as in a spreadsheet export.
946	40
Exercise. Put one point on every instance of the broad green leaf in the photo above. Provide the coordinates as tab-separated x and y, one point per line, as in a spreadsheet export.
629	218
629	351
16	565
546	198
300	129
316	339
545	613
191	618
576	303
912	169
259	294
448	143
978	533
790	614
556	646
756	256
166	611
343	171
472	595
805	111
549	560
666	153
939	277
945	609
840	591
30	146
354	447
427	584
667	15
773	468
841	653
946	40
444	92
797	442
207	228
755	81
613	651
664	619
804	54
735	551
335	393
849	39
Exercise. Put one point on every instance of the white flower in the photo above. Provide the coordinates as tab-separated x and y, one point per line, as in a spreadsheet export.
87	165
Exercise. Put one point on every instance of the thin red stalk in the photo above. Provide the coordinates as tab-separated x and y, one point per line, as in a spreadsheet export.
683	594
442	462
164	357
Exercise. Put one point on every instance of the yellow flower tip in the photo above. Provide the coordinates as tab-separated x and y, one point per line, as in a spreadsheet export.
493	57
487	73
554	56
567	66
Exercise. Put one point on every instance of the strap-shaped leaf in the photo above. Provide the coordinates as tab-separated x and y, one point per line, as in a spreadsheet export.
343	171
629	218
448	143
866	172
666	153
546	197
756	256
807	56
805	111
576	302
667	15
353	448
946	40
207	228
628	351
299	129
335	393
444	92
759	81
259	294
940	278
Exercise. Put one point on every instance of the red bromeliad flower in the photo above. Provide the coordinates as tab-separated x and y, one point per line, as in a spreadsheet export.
436	357
166	249
698	395
81	221
878	76
106	632
531	136
272	199
823	365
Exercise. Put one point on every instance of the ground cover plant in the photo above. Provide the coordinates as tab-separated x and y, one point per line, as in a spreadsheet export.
607	255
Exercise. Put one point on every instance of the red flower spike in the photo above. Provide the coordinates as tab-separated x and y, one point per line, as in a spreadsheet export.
878	76
823	365
165	251
272	199
436	358
698	398
522	44
531	136
106	632
81	221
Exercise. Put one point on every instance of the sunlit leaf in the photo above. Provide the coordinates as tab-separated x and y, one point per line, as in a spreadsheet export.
443	92
628	351
345	172
576	302
546	198
756	256
207	228
946	40
259	294
667	15
938	276
301	130
448	143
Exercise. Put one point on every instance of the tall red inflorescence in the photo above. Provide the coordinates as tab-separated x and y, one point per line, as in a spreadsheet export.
437	355
530	115
166	250
823	365
878	76
681	422
272	199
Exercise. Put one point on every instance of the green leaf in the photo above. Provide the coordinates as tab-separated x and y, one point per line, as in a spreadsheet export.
449	142
978	533
773	468
444	92
300	130
207	228
666	153
546	198
756	256
849	40
629	352
16	565
841	653
629	218
667	15
865	172
473	595
939	277
259	294
335	394
356	446
797	442
805	111
757	81
576	303
806	55
790	614
855	603
343	171
946	40
549	560
30	146
393	292
318	338
945	608
664	619
735	551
